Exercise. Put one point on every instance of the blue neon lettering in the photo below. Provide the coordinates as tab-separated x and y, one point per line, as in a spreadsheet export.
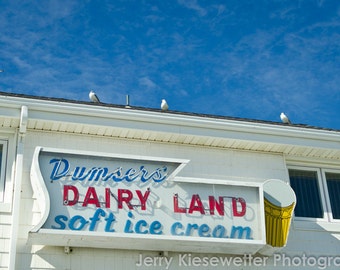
219	231
174	227
59	172
77	220
109	220
128	224
62	168
139	225
238	232
96	217
59	220
191	227
79	175
203	230
155	228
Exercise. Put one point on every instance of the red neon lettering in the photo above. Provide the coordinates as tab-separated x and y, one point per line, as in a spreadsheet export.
66	198
242	203
107	197
91	197
126	199
178	209
196	204
142	198
218	205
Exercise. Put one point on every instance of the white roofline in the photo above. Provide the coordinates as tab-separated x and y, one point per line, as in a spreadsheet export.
157	121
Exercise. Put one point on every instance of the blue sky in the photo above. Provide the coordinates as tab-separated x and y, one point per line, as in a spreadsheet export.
239	58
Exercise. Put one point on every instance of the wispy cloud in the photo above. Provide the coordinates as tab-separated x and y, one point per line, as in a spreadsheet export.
239	59
193	5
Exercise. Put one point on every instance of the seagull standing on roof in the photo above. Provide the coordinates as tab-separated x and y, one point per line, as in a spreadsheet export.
164	105
284	118
93	97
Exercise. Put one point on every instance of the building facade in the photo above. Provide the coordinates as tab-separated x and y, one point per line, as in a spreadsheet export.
100	186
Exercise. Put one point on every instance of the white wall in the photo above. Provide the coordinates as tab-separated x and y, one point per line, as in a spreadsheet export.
204	163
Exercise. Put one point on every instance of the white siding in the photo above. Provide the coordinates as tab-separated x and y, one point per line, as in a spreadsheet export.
205	162
5	234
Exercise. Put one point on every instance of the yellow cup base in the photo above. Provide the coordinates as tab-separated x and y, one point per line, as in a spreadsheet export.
278	221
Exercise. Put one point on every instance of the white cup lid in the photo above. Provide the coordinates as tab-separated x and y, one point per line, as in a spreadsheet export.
279	192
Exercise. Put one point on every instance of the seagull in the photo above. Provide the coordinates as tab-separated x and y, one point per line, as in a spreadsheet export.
93	97
285	118
164	105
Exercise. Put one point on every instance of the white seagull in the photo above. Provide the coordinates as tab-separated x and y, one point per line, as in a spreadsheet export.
164	105
284	118
93	97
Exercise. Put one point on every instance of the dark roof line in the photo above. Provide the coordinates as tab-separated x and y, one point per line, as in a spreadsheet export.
130	107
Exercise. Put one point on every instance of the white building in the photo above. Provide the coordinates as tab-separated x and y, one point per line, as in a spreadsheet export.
100	186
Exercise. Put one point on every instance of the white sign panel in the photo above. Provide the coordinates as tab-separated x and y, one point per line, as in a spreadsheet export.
118	201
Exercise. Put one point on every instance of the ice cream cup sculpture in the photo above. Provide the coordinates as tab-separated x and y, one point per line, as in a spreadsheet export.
279	203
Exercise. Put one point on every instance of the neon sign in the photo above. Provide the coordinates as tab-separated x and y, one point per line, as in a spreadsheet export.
128	196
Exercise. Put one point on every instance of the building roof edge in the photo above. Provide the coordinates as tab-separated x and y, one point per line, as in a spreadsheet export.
173	112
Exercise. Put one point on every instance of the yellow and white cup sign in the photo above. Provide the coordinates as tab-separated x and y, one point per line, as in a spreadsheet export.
279	203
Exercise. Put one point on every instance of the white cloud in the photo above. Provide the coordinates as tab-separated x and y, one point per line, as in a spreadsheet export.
147	83
193	5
